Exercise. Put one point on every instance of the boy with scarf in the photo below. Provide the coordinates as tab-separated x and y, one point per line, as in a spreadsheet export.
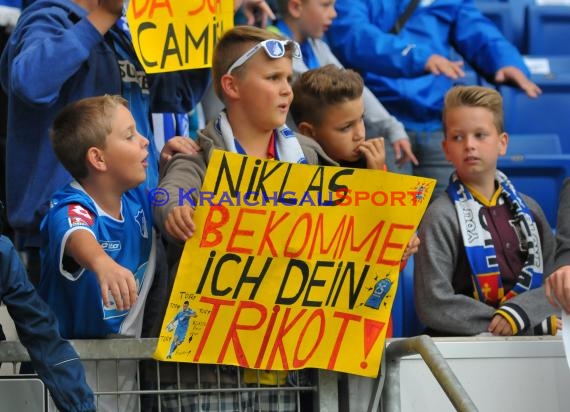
252	70
487	248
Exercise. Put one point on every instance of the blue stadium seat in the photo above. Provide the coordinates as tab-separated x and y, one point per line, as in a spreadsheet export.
546	114
548	29
404	317
540	176
546	68
536	166
549	112
539	143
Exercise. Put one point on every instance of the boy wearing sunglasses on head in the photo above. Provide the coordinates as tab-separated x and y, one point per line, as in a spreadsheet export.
252	71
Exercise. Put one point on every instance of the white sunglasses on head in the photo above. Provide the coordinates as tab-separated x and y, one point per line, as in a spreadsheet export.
273	48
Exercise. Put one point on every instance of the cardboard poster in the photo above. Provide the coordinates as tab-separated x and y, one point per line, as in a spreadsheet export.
291	266
170	35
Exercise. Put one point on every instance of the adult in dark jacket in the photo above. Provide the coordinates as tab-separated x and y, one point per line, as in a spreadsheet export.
54	359
59	52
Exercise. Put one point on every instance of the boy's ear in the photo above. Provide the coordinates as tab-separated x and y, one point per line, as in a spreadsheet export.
229	86
444	148
295	8
95	159
307	129
503	143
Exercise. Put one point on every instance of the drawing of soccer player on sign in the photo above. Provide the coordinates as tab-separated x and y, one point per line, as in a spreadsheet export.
180	326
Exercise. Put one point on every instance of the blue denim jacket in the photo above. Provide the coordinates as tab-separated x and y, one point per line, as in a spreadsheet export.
54	359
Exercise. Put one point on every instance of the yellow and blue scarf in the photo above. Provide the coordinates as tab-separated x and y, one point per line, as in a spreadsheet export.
479	247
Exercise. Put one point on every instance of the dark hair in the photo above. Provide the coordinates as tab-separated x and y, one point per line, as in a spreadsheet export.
317	89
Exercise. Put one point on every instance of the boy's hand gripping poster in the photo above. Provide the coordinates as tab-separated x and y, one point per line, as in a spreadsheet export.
291	266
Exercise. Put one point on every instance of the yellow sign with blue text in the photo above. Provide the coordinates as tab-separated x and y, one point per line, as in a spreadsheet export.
291	265
170	35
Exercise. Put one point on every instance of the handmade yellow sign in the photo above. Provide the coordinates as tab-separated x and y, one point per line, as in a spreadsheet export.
171	35
291	266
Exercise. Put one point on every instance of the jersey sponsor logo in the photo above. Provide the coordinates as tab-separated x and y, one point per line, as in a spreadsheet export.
110	245
77	215
130	74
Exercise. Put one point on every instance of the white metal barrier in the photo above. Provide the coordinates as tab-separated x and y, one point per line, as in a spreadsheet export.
520	374
111	364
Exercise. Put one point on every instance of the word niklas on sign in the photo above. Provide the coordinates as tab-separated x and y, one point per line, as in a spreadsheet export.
277	287
171	35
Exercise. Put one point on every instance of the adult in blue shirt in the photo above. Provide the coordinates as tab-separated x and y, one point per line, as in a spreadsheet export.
411	70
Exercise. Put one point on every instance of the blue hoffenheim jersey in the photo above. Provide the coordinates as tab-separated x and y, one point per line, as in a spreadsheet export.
73	292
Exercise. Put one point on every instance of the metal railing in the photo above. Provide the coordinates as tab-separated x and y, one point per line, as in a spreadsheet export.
389	384
321	389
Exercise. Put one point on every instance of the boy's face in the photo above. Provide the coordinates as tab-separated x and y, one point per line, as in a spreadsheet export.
126	151
341	130
264	90
315	17
472	143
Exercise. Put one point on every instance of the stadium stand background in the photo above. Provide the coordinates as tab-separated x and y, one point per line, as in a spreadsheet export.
538	158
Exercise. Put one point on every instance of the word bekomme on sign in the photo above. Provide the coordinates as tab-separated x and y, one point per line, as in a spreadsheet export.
171	35
280	287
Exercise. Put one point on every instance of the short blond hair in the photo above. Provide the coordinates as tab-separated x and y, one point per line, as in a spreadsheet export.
81	125
476	96
232	45
318	89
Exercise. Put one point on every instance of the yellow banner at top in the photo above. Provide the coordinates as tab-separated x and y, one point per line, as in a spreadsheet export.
171	35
